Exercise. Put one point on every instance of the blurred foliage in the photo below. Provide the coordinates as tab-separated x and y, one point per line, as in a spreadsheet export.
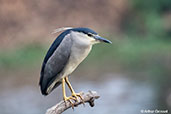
145	6
23	57
147	18
131	54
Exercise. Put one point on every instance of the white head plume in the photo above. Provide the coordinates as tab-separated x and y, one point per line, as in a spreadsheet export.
61	29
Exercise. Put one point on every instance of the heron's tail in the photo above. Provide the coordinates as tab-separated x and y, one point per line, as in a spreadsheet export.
46	88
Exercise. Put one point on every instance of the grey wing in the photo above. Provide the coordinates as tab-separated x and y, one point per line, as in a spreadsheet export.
55	65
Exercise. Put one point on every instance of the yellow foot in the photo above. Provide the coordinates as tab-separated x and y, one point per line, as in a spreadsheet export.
76	95
70	100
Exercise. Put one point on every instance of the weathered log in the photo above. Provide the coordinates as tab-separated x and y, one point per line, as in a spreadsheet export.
88	97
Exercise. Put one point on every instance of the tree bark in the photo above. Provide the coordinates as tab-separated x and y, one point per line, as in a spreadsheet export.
88	97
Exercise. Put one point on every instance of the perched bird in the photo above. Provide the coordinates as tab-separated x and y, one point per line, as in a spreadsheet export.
69	49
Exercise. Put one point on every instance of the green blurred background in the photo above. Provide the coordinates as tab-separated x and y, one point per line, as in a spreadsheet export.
141	52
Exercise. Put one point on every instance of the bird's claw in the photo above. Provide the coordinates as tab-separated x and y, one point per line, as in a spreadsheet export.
75	97
70	98
78	95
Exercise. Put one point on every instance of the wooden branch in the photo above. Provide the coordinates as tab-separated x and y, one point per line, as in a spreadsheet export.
88	97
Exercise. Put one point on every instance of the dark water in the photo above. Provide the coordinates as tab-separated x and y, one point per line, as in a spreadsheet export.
118	96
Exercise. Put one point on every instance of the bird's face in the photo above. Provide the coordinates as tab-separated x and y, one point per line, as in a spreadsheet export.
95	38
88	36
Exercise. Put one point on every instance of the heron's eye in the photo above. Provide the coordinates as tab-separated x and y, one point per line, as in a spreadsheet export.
90	35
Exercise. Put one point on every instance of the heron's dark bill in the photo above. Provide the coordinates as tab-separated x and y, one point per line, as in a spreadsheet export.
101	39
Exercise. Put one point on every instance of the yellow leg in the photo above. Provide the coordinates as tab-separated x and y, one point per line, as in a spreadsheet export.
64	94
76	95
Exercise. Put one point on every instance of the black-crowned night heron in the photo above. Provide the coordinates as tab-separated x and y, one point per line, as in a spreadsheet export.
69	49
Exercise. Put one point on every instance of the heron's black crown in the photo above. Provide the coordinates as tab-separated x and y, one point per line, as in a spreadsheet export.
84	30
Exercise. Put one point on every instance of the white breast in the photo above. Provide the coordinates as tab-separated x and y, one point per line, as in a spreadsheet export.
79	51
